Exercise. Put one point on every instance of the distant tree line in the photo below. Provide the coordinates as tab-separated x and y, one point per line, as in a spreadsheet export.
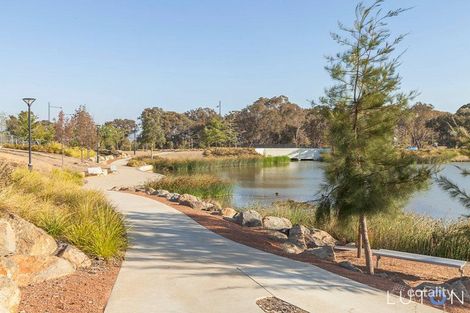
268	122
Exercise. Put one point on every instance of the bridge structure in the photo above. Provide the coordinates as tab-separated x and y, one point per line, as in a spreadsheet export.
299	154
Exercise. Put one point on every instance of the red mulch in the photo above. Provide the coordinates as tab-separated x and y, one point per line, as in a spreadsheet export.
85	291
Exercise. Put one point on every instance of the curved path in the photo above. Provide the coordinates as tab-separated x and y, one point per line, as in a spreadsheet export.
176	265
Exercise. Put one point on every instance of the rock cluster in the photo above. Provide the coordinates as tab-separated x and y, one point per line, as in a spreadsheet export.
29	255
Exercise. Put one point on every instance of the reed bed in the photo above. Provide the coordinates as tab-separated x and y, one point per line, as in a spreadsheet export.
402	231
164	165
57	203
199	185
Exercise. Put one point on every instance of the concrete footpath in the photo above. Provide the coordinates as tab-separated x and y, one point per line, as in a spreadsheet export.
175	265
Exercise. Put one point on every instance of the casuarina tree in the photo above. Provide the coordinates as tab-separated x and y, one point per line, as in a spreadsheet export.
366	173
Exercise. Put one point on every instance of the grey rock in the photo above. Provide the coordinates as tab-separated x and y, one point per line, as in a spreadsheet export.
174	197
320	238
324	253
150	191
291	248
277	235
298	235
276	223
249	218
348	265
162	193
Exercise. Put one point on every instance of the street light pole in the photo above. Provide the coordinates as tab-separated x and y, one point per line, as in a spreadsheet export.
29	102
135	141
49	106
98	144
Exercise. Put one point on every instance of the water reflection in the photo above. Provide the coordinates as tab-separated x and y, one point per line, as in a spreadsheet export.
302	181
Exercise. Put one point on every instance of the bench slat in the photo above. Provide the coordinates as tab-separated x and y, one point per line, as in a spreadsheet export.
419	258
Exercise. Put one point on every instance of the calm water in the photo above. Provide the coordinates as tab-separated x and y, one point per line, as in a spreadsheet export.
302	180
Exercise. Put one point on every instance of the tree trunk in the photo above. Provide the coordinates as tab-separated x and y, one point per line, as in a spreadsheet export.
81	154
359	240
151	151
367	249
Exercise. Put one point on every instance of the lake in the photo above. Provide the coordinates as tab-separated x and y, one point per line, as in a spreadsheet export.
301	181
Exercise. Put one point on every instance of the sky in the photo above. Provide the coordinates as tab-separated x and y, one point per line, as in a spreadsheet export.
118	57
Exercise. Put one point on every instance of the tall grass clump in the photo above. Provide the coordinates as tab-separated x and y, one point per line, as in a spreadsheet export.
404	231
57	203
200	185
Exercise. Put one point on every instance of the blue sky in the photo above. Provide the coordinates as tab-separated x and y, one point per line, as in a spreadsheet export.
118	57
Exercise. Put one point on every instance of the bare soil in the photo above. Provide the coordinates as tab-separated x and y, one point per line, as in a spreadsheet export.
85	291
44	162
397	271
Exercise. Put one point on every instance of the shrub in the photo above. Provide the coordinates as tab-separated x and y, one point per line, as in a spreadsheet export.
57	203
199	185
224	152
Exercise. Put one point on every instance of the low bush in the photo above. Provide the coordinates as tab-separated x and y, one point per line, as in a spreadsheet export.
57	203
199	185
224	152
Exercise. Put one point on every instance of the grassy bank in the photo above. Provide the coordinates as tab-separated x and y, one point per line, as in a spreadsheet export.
403	232
199	185
57	203
429	156
164	165
54	147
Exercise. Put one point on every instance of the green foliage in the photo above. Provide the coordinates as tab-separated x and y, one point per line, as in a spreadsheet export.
366	173
218	133
199	185
152	133
57	203
165	165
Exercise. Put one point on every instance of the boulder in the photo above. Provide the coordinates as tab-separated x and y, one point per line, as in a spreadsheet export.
173	197
140	188
8	267
460	286
31	240
324	253
277	235
228	212
150	191
35	269
349	266
9	295
291	248
161	193
320	238
75	256
249	218
299	235
186	198
276	223
7	238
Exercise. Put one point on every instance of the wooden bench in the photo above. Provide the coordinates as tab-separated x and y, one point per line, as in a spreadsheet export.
419	258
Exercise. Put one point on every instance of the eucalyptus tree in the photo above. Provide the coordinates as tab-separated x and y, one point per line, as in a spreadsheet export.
365	173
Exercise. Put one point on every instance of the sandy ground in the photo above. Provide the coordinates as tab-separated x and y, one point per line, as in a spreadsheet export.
398	271
85	291
44	162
